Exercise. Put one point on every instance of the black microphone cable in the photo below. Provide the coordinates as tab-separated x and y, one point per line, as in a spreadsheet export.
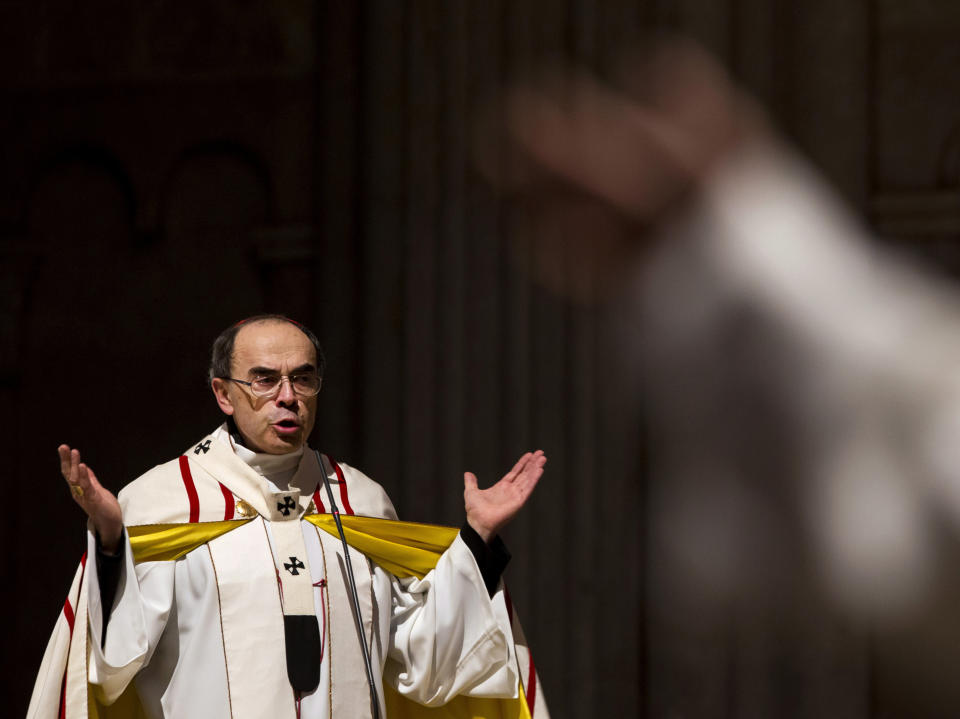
374	697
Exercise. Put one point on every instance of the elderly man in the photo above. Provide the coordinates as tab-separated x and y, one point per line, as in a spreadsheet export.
219	587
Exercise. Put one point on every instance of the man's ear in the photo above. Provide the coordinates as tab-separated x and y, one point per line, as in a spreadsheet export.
219	387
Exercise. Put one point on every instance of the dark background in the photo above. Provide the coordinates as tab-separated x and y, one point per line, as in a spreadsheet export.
167	168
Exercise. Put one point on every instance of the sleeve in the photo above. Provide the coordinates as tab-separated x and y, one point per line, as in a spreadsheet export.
141	605
108	572
448	636
778	334
52	690
491	558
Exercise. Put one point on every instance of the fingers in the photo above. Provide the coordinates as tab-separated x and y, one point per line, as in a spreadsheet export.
518	467
69	464
64	452
529	466
603	142
533	470
78	476
469	481
83	476
529	462
637	143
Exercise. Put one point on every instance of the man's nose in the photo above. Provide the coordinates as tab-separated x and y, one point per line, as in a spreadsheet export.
285	394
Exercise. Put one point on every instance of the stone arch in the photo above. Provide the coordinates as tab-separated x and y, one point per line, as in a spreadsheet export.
80	189
216	184
78	220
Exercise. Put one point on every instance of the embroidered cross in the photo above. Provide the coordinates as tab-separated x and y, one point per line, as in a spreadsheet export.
202	447
286	506
292	568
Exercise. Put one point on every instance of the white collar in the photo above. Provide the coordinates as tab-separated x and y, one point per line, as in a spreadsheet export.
277	469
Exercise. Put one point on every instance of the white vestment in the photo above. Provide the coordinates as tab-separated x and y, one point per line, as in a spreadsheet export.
204	635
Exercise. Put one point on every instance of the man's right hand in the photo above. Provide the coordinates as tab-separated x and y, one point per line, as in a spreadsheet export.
101	506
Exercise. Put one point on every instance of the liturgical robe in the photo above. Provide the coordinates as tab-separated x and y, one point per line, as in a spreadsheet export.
217	555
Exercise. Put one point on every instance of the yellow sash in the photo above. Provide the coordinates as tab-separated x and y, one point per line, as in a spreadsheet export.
405	549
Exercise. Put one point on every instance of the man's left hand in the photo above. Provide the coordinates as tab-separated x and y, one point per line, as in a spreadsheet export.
488	510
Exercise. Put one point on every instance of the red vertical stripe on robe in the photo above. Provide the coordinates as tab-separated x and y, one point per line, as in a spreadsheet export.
531	684
191	488
228	503
71	620
317	502
343	486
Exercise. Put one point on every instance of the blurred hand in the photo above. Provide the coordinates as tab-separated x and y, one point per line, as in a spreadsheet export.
489	510
101	506
594	165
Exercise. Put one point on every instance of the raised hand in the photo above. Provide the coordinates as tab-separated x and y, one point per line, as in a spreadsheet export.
595	164
488	510
101	506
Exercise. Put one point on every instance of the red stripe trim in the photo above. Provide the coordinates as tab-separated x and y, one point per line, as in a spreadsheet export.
343	486
228	503
191	488
317	502
67	607
68	613
532	686
71	619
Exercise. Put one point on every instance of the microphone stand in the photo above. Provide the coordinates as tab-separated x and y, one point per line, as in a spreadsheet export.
374	697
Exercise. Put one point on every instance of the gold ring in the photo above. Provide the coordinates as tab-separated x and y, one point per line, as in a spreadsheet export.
77	490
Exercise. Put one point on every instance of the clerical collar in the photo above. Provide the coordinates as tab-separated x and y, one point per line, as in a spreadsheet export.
269	465
277	469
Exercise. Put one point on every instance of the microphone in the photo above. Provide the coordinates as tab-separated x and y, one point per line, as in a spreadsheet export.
374	697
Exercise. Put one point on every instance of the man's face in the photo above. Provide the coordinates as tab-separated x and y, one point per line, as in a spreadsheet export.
282	423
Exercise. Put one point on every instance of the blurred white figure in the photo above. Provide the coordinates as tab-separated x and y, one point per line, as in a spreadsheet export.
803	385
832	361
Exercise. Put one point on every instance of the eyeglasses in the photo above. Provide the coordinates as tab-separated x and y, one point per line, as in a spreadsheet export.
268	386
